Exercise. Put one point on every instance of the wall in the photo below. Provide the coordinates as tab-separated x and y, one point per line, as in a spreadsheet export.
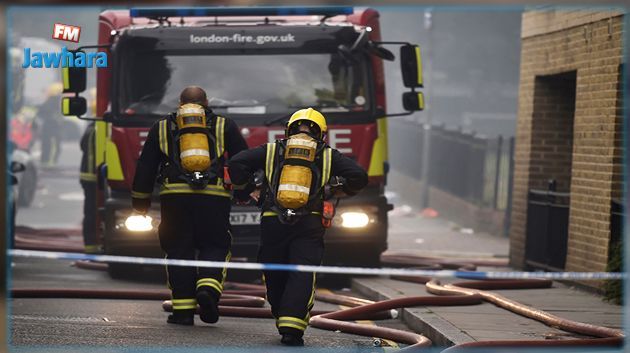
590	43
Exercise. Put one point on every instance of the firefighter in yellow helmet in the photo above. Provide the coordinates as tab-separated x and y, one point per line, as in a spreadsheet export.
294	213
189	149
52	125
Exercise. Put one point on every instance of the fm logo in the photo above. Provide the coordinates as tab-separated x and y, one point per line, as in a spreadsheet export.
67	33
338	139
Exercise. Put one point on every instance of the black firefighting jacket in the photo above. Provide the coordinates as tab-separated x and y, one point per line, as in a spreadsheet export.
159	157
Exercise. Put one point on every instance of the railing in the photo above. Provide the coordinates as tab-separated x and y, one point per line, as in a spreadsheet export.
469	166
547	229
472	167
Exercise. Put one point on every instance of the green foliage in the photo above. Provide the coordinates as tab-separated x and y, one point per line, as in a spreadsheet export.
613	289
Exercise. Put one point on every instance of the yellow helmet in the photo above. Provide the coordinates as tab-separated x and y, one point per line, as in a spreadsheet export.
311	115
54	89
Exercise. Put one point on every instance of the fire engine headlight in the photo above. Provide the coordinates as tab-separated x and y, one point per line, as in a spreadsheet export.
137	223
354	219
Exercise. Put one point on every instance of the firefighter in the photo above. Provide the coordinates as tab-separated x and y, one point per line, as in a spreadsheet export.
195	206
87	179
294	215
52	126
88	184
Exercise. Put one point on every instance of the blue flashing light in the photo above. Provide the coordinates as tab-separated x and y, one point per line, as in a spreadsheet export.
239	11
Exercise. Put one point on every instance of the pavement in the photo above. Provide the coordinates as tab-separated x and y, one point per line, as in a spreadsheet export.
413	233
449	325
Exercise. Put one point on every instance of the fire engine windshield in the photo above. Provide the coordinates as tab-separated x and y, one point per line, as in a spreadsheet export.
263	84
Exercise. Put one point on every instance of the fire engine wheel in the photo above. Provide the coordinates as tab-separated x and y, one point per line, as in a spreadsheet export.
118	271
126	271
366	258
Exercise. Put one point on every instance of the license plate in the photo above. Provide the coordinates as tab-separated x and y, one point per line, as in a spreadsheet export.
244	218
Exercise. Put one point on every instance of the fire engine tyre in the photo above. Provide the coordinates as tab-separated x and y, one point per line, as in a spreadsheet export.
119	271
146	273
27	186
370	258
361	257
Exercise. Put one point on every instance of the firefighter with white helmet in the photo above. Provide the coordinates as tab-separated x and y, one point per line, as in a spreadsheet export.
294	212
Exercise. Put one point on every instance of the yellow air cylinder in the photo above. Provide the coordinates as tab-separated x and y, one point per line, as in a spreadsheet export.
194	150
295	180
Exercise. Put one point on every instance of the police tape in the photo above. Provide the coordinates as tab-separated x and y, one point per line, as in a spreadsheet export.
320	269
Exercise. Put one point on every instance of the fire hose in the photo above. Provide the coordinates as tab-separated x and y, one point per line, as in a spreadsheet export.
605	336
467	293
406	260
48	239
232	303
336	320
247	300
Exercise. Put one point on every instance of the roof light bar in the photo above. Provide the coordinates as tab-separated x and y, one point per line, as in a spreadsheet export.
239	11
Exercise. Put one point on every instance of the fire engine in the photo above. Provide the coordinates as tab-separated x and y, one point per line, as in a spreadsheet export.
257	65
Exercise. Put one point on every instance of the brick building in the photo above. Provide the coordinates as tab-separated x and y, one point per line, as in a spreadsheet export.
569	129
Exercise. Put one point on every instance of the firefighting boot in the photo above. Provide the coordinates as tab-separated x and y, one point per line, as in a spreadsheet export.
182	317
291	336
208	306
289	339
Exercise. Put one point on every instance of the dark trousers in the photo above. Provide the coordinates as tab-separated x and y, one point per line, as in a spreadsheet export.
195	227
291	294
51	142
89	216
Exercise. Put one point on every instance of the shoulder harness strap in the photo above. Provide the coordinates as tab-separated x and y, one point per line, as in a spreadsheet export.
269	160
326	165
219	136
163	135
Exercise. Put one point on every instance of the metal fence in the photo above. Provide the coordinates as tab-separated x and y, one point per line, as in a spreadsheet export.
472	167
547	228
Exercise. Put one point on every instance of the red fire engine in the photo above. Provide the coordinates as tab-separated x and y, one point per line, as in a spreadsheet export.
258	65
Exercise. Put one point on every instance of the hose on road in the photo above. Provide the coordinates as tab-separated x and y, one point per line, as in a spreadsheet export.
247	300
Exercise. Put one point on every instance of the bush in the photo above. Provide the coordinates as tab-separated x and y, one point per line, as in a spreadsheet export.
613	289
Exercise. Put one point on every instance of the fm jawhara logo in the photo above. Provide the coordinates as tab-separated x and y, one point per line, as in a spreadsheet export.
66	57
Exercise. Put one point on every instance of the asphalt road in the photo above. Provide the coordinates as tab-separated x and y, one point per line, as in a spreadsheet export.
89	325
86	325
108	325
58	201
